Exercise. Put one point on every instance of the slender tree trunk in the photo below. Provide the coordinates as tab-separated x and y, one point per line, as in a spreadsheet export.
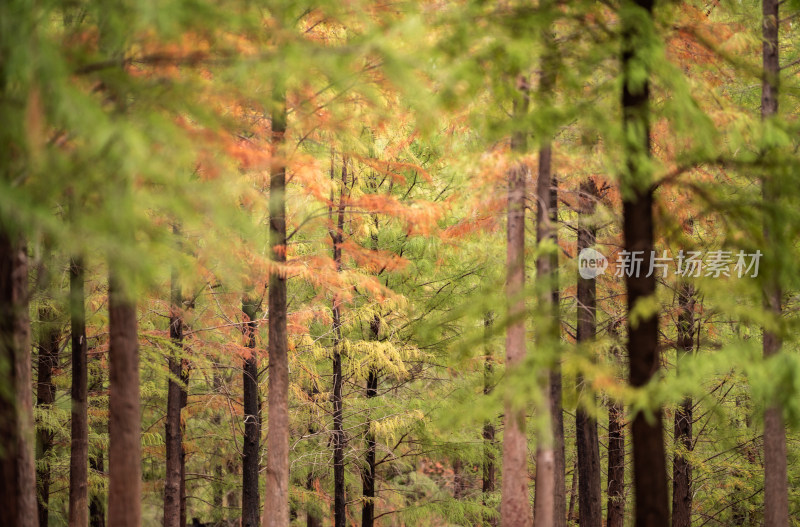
218	487
515	508
546	274
174	440
45	396
337	236
649	463
184	400
616	466
550	497
97	513
79	440
681	468
97	506
776	492
556	406
368	478
252	421
573	494
17	472
489	446
124	458
277	488
589	494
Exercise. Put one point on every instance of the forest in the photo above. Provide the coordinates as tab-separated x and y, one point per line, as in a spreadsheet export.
270	263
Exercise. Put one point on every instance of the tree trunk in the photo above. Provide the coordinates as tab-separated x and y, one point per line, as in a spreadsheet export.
368	478
174	440
550	501
184	400
776	492
514	506
337	236
573	492
487	483
17	469
45	396
589	494
79	440
616	466
97	506
252	421
277	488
218	487
97	513
681	468
649	463
124	457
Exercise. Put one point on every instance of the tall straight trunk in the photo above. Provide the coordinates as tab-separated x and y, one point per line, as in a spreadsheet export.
556	405
184	399
17	472
514	505
573	493
79	437
124	456
776	492
681	468
97	506
458	479
489	446
552	445
368	478
174	440
218	486
252	421
45	396
276	504
589	494
337	236
97	513
616	466
550	500
649	463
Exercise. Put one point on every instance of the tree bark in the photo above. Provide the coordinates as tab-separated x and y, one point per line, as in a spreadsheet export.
489	446
252	421
616	466
173	436
97	506
79	437
277	488
588	447
776	492
573	492
649	463
337	236
50	336
184	400
550	500
17	472
681	468
124	458
368	478
514	506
